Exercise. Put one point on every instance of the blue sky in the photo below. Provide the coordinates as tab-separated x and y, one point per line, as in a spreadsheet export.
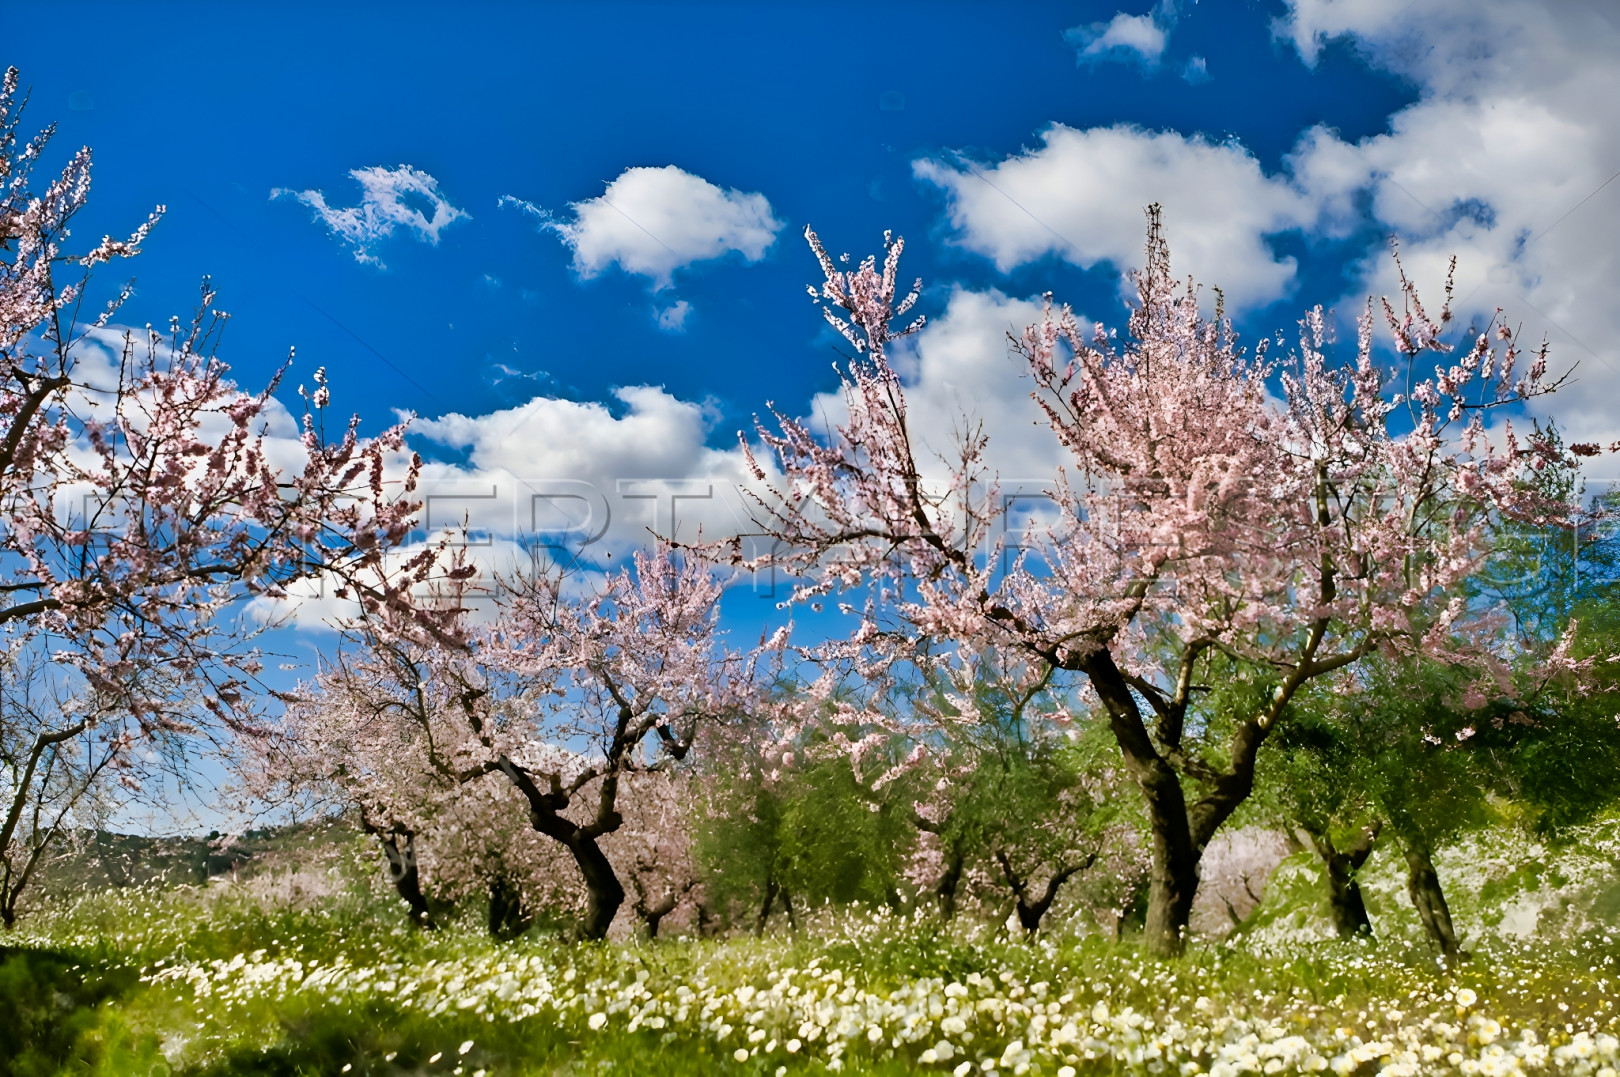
550	104
1013	145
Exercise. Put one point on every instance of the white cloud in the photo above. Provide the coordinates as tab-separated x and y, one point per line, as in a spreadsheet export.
673	318
1513	130
1502	161
578	484
1124	37
383	208
1080	196
565	438
651	222
553	465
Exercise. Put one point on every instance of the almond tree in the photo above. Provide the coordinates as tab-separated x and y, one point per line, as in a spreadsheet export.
1197	515
564	697
39	750
143	494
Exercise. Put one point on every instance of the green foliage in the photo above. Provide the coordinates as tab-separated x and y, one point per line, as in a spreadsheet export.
811	830
1566	766
50	1002
1026	807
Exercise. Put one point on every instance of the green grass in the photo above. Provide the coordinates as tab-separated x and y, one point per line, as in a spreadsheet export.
231	981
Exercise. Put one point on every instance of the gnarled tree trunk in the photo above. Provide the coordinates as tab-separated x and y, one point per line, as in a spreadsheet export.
1032	907
772	888
1345	903
654	914
1181	831
603	891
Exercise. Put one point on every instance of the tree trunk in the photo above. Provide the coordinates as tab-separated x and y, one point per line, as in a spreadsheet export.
1180	831
603	891
771	890
1172	884
654	914
1032	909
1345	902
506	919
1423	886
399	847
1173	879
1132	910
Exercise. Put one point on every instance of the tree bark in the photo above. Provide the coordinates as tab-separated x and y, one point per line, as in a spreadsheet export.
1181	831
771	890
654	914
1423	886
1345	903
1032	909
1173	878
603	891
399	846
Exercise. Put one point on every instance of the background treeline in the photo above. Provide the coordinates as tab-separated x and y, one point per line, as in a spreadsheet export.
1023	814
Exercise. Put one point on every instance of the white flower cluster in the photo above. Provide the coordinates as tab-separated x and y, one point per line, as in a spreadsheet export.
757	1008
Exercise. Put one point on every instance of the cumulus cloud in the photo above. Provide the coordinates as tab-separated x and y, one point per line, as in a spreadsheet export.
651	222
1507	160
1502	161
564	480
1125	37
391	199
583	473
1080	196
566	483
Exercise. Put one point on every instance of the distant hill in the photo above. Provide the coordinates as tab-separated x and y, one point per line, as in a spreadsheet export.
99	859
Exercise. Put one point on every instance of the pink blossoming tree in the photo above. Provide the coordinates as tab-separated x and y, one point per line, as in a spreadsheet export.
142	493
575	702
1197	515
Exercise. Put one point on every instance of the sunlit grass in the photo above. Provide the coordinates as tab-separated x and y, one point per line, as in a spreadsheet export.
230	983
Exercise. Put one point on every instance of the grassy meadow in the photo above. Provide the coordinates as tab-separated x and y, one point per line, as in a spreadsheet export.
309	968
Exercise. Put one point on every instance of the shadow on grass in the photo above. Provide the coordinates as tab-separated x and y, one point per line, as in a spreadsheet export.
385	1041
48	1001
